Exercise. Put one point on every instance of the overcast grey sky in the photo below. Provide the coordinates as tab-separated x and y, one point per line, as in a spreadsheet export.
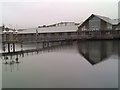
33	13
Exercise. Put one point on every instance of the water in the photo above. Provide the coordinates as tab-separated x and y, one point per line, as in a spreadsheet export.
83	64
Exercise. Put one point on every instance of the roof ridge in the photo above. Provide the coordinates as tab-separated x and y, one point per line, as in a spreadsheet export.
107	19
101	16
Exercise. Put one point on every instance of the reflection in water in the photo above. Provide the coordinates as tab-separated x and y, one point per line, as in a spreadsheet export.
63	66
93	51
98	51
11	62
12	58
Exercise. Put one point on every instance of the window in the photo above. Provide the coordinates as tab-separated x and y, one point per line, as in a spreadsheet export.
83	28
109	26
118	27
94	24
45	34
60	33
68	33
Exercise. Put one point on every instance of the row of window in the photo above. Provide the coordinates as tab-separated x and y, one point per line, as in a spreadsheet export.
92	29
45	34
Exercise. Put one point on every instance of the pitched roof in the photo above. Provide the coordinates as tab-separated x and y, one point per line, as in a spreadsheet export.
103	18
106	19
114	21
51	29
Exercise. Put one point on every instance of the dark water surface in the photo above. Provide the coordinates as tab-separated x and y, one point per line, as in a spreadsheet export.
83	64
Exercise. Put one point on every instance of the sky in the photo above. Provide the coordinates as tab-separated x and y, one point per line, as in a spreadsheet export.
119	9
32	13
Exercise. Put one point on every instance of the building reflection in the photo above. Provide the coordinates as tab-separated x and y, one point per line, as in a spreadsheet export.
95	52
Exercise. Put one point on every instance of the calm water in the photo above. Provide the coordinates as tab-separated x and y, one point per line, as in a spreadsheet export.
83	64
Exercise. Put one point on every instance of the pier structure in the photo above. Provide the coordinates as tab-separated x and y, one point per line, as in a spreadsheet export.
9	38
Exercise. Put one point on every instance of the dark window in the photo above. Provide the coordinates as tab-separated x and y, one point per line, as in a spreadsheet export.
60	33
68	33
45	34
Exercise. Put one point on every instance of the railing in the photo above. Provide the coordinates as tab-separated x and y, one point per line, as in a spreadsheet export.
84	35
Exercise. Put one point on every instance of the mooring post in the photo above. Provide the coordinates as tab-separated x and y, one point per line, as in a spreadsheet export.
21	46
43	44
8	47
47	44
13	47
4	47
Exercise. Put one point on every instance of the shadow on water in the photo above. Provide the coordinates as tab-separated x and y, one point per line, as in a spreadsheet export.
93	51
